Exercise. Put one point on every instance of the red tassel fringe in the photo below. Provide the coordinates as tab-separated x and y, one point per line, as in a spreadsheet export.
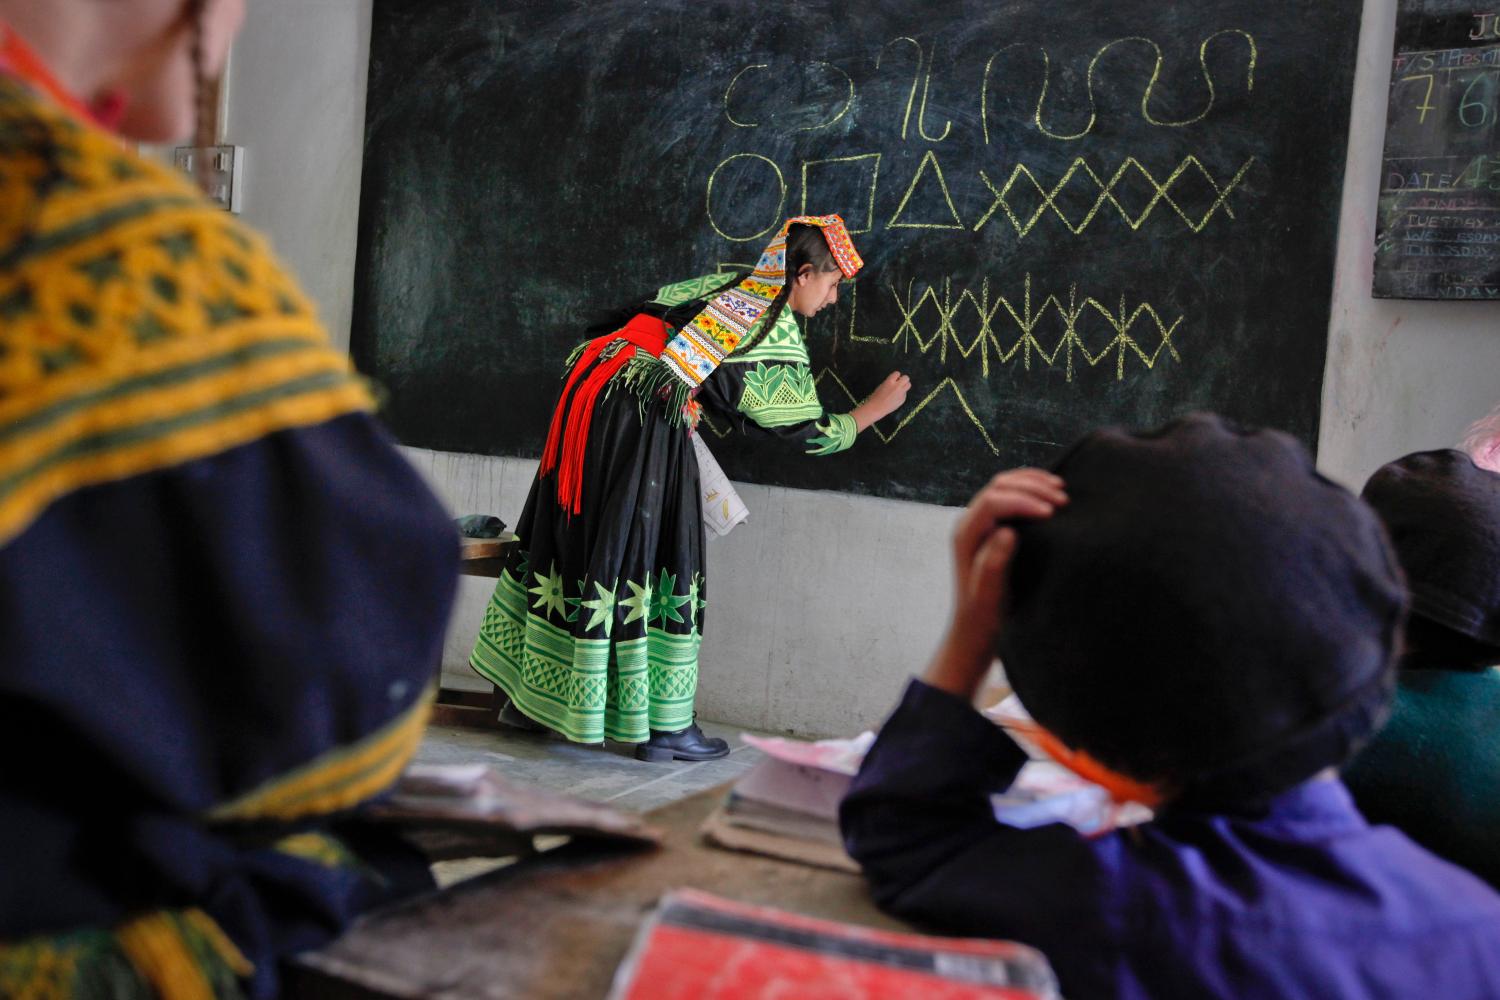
564	450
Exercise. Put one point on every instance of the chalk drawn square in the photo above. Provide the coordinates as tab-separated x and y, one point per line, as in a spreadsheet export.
825	184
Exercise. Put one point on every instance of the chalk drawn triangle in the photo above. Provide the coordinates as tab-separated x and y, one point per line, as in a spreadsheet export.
942	183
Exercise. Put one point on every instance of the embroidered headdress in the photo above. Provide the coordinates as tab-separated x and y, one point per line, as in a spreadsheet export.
712	335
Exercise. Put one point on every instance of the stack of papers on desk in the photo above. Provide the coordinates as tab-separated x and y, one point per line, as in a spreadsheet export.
788	805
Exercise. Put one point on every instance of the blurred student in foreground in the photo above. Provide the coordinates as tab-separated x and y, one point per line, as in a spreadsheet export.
1204	624
222	590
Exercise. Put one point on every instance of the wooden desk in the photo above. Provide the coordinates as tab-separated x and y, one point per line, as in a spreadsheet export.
556	925
484	556
455	707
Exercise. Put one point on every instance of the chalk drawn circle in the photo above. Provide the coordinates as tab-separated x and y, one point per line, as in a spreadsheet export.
775	216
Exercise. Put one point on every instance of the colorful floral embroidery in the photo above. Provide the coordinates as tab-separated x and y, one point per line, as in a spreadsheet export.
712	335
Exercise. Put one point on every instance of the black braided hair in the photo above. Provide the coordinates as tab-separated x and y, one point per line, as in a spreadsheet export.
804	245
203	112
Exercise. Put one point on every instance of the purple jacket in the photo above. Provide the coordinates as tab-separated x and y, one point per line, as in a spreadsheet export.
1303	900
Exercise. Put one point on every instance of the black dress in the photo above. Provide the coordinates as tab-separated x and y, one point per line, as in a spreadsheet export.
596	622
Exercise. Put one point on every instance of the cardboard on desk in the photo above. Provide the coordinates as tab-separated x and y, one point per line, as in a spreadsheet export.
469	810
702	947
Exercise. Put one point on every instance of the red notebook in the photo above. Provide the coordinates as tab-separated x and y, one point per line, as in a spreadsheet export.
702	947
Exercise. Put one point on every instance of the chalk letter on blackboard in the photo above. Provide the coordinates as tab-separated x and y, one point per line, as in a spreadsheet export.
984	88
730	90
1208	77
911	98
916	78
848	101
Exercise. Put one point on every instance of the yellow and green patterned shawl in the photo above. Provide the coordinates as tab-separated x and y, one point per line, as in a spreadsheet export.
140	326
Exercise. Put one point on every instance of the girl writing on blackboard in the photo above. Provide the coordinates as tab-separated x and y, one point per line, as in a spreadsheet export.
595	625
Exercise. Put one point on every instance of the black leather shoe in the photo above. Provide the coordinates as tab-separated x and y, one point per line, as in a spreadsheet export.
513	718
685	744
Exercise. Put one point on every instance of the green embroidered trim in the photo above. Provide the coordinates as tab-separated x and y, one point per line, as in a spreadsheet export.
685	291
652	381
321	849
91	964
783	342
779	395
655	601
592	689
649	379
665	604
838	434
573	357
601	607
84	964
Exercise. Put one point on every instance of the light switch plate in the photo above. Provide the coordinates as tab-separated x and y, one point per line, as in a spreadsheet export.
225	172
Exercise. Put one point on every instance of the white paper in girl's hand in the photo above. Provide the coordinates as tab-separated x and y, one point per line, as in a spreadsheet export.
722	506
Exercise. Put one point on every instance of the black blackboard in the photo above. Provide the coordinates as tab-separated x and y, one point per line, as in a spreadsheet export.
1438	235
1071	214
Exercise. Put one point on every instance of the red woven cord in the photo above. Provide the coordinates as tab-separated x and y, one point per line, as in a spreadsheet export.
642	332
554	433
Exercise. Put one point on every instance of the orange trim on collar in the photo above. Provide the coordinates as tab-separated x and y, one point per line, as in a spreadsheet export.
1120	787
19	60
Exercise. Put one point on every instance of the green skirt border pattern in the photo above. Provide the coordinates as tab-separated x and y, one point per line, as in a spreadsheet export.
587	689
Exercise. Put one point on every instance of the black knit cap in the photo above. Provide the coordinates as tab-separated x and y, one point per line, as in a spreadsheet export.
1207	612
1443	515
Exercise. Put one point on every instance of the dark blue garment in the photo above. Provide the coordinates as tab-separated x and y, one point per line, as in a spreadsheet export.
176	639
1304	899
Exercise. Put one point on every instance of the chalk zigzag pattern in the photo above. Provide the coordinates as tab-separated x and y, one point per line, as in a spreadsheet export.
1079	167
987	340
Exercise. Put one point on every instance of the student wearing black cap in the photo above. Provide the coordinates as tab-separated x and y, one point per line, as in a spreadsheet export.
1434	770
1204	623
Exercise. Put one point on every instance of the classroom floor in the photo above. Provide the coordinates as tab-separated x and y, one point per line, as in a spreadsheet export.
609	775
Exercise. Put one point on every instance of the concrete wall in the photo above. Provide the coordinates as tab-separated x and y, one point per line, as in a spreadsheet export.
819	606
297	105
823	603
1401	376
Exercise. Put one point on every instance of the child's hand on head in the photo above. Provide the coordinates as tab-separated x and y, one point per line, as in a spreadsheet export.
982	548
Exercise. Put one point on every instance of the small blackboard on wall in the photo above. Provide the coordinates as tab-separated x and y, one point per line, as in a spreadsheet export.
1438	233
1070	214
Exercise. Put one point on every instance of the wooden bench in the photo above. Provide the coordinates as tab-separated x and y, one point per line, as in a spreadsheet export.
457	706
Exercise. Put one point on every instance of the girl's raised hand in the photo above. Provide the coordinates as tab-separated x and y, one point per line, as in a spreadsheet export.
887	397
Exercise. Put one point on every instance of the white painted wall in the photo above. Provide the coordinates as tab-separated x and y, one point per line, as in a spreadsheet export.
1401	376
823	602
297	105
